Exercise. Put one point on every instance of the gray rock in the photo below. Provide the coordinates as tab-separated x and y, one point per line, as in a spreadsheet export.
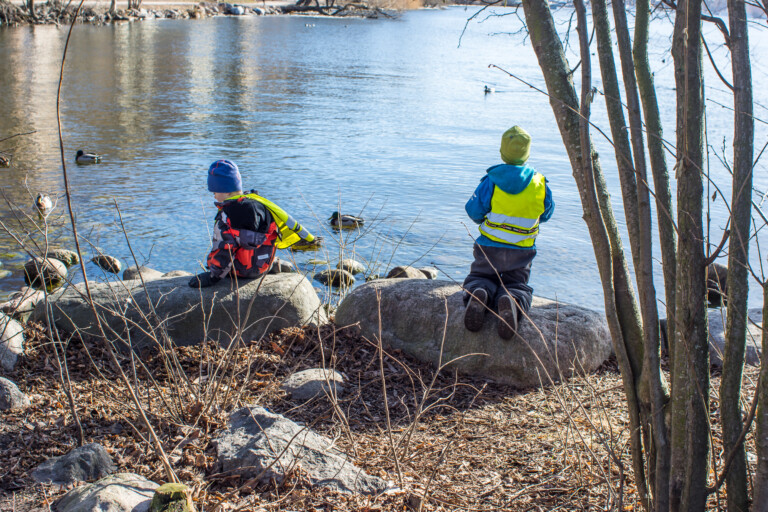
414	315
716	321
281	267
430	272
351	266
11	341
121	492
11	398
177	273
50	271
335	277
308	384
23	301
191	315
108	263
263	445
405	272
67	257
134	272
87	462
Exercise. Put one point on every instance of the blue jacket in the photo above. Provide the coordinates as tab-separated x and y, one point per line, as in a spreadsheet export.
512	179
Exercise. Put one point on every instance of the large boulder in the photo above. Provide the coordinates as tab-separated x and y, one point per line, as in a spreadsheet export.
559	338
121	492
88	462
22	302
11	398
11	341
190	315
263	445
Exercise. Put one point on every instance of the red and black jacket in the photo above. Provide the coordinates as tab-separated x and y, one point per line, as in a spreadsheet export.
243	239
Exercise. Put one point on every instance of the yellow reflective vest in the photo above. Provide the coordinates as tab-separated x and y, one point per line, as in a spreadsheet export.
514	218
288	230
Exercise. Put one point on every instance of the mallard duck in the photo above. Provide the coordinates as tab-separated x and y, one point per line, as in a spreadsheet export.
5	161
87	158
340	220
303	245
44	205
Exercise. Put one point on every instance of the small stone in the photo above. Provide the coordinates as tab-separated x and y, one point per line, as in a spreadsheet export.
108	263
308	384
23	301
405	272
176	273
67	257
87	462
11	398
146	273
121	492
335	277
351	266
11	342
49	271
281	267
172	497
430	272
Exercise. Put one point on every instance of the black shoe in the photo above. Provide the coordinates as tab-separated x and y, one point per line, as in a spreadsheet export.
507	326
474	315
203	280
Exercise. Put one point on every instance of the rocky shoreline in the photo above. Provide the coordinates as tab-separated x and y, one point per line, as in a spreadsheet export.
57	13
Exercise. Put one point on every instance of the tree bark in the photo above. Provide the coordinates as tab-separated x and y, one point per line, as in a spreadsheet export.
620	305
760	501
738	258
690	387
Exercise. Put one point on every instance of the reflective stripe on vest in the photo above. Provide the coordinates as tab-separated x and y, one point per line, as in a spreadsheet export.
514	218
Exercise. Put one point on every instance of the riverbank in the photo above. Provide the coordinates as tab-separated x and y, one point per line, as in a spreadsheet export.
16	13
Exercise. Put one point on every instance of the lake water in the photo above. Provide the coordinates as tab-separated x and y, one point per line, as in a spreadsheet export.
383	117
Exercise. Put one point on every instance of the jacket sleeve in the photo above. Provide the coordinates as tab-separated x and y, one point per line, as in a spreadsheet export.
479	204
219	260
549	206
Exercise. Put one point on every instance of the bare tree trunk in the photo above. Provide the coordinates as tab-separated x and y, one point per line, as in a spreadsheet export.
665	221
760	501
620	305
738	258
690	387
113	7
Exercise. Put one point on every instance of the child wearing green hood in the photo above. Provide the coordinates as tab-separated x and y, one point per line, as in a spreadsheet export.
510	202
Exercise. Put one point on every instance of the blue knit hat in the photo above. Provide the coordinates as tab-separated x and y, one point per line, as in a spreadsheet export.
223	176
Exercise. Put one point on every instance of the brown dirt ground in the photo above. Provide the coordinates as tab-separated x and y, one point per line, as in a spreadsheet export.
477	445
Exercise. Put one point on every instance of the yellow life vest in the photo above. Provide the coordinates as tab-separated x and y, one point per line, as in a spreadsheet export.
514	218
288	230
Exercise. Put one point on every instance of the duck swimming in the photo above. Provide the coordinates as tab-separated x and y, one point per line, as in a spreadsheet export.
339	220
44	205
87	158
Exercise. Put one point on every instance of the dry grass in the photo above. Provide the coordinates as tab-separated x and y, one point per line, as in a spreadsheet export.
481	446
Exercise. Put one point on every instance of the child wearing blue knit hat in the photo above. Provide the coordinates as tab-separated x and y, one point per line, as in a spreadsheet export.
510	202
247	229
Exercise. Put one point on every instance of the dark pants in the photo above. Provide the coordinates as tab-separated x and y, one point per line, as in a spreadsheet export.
501	271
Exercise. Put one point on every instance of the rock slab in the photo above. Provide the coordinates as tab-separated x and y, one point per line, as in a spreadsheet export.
190	315
308	384
11	398
558	338
11	341
261	444
121	492
82	464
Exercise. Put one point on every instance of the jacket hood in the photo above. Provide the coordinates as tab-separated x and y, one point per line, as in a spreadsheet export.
512	179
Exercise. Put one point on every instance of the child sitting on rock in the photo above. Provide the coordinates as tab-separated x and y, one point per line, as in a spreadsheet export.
509	204
248	228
